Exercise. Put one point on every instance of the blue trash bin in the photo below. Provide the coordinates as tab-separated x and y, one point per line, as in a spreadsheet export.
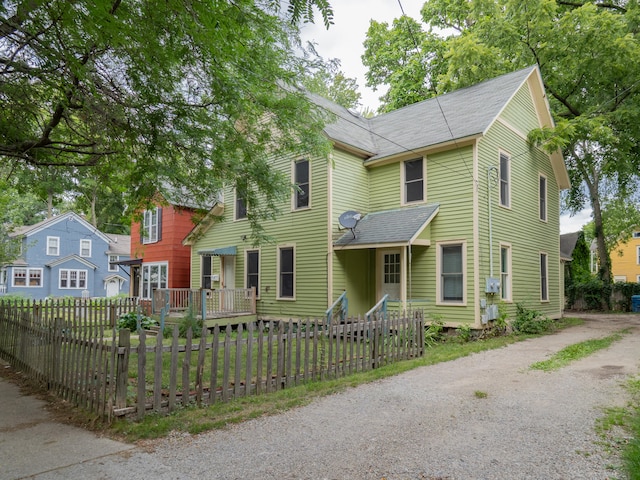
635	303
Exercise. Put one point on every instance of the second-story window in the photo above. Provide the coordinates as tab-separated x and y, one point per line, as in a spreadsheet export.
85	248
543	198
112	267
413	181
505	180
151	225
301	180
53	246
241	207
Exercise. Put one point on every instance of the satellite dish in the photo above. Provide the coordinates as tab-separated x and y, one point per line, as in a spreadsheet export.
349	219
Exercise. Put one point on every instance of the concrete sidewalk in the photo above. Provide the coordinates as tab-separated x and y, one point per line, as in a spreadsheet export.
31	443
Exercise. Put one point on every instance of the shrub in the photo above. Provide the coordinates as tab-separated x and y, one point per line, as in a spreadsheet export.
130	321
434	333
529	321
190	321
464	333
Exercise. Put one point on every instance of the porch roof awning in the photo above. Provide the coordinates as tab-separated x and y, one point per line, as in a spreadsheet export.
399	227
217	252
133	261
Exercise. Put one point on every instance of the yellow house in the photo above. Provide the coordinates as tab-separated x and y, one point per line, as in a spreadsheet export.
625	260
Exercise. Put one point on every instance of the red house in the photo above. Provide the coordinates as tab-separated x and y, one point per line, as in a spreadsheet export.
158	258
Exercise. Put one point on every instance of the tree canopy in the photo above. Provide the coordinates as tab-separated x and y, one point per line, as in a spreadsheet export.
184	93
589	57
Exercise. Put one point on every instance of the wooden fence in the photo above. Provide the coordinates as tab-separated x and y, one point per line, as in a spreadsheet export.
114	373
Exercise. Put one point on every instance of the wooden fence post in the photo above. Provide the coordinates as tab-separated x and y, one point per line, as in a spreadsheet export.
122	367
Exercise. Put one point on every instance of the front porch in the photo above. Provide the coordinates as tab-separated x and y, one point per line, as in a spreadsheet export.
207	304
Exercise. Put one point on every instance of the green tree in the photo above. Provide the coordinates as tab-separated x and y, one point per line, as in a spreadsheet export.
166	91
580	267
589	58
328	81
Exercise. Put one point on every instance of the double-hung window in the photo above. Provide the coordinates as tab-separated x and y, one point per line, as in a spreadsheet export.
286	273
542	193
27	277
544	277
53	246
638	255
153	276
505	272
301	180
505	180
112	267
252	266
413	171
73	279
151	225
241	207
451	272
85	247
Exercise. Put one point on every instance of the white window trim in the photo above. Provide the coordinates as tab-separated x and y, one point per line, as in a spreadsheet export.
57	247
85	240
246	269
294	195
403	189
27	277
146	226
509	180
638	255
546	198
509	297
113	258
278	293
148	266
78	272
439	246
546	265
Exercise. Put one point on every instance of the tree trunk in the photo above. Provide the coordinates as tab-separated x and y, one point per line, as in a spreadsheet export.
604	270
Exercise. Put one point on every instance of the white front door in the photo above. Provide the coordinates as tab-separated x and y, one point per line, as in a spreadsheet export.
113	287
228	281
390	274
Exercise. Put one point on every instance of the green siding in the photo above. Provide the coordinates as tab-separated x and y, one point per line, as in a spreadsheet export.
520	225
520	112
303	229
385	187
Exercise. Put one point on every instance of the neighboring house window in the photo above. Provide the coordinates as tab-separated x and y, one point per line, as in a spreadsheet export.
153	276
413	181
302	184
505	272
619	278
635	234
252	266
73	279
638	255
241	207
151	225
85	248
53	246
113	258
450	267
544	277
27	277
543	198
505	180
286	272
638	279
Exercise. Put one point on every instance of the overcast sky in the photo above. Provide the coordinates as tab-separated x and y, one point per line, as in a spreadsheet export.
344	41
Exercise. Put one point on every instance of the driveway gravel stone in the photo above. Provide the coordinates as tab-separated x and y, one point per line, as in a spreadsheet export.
427	423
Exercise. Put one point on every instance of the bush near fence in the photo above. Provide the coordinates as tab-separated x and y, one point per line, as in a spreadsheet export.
115	373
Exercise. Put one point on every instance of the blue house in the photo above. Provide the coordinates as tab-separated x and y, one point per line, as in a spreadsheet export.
66	256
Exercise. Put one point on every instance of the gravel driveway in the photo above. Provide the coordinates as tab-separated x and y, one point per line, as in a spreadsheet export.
424	424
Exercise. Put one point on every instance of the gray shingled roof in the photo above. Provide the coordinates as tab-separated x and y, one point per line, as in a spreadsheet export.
463	113
568	243
396	226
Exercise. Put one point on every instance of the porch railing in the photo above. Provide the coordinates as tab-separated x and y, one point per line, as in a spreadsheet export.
339	309
208	303
379	308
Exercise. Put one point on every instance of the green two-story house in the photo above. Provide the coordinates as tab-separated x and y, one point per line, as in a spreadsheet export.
442	205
